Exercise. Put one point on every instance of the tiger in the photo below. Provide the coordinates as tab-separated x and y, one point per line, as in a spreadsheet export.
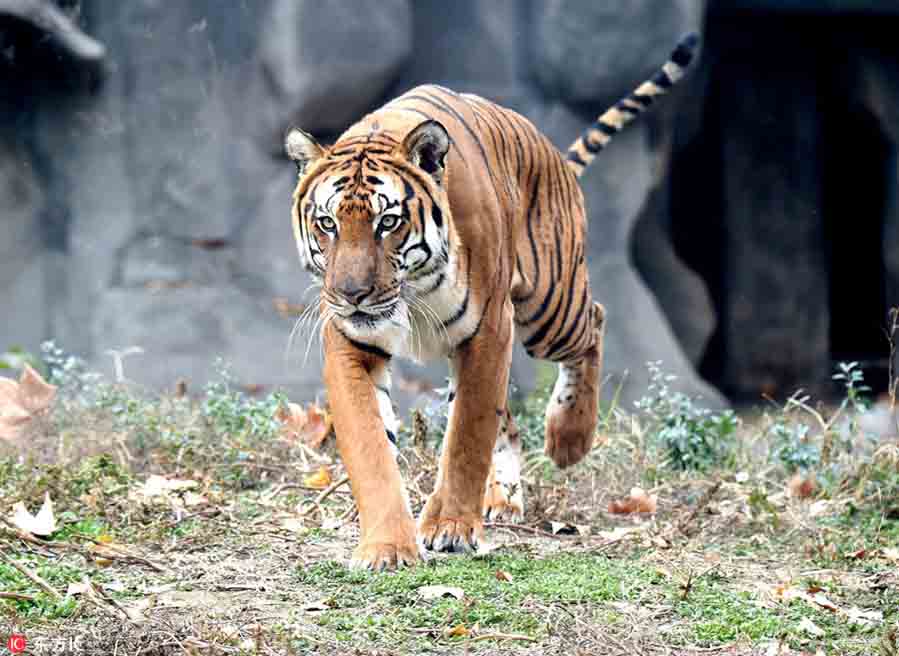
444	225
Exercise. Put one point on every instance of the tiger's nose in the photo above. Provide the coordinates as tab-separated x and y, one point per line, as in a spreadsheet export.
354	292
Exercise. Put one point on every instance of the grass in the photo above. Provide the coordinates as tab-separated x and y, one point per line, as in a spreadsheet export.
758	516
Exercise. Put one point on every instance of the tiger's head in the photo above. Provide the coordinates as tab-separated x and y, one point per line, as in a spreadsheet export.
370	216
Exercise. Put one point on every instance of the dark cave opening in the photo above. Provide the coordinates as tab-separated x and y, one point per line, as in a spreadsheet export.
856	166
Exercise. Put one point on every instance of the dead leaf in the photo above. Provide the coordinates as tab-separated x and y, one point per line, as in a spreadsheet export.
431	592
810	627
619	533
863	617
856	555
890	553
78	588
637	502
309	426
157	485
802	487
319	480
22	401
458	631
43	524
503	576
562	528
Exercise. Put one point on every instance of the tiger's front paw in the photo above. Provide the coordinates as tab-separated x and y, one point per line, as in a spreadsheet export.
504	502
444	527
379	556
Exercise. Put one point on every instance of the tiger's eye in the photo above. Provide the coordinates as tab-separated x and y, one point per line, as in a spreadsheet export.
389	222
326	223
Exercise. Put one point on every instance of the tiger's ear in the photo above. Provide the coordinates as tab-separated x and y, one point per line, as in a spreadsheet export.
426	147
301	148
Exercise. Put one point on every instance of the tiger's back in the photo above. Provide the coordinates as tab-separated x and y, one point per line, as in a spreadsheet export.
516	201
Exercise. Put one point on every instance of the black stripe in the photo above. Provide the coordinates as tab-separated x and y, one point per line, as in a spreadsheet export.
390	436
555	343
590	146
641	99
531	208
477	328
461	311
574	157
662	80
683	53
433	288
440	104
367	348
606	128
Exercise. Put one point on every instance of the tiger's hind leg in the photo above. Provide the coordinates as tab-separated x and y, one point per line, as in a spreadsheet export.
504	497
571	414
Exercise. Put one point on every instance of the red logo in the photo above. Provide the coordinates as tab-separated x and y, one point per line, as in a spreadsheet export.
16	643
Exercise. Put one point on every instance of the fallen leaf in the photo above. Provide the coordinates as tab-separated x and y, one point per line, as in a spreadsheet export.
562	528
637	502
458	631
309	426
157	485
319	480
43	524
810	627
863	617
430	592
620	532
503	576
802	487
856	555
890	553
319	606
22	401
78	588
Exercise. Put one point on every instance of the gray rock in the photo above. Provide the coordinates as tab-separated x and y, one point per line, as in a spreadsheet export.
680	292
879	91
183	330
22	276
266	245
595	52
470	46
47	18
329	62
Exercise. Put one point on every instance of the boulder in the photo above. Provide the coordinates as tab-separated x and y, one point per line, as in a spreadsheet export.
878	90
22	275
680	292
183	330
595	52
327	63
469	46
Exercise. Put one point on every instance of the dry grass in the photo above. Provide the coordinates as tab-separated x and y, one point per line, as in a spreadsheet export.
254	565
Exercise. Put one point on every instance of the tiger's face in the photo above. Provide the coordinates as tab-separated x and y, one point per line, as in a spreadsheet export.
370	219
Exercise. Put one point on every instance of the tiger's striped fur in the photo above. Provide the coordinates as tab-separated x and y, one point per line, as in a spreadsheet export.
441	225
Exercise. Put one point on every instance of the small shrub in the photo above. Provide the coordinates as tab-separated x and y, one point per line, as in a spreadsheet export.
231	412
691	436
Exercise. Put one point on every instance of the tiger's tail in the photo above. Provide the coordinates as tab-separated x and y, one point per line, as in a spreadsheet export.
585	149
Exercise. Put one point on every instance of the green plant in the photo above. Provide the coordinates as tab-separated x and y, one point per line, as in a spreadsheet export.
231	412
691	436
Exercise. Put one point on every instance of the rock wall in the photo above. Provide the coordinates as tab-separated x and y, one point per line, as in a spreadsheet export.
145	199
